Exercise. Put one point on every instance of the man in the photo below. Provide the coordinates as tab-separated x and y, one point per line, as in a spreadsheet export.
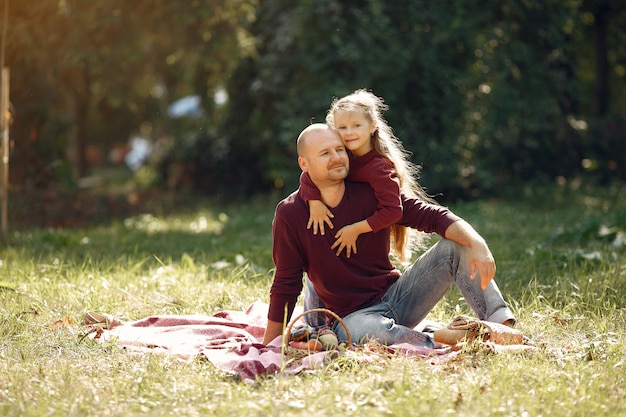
373	298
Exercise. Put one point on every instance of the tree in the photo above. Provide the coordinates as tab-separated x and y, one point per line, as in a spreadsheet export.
114	64
486	94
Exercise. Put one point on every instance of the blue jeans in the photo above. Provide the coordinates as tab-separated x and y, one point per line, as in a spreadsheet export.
409	300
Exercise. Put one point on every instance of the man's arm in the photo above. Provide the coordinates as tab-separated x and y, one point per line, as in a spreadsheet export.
273	329
287	233
480	257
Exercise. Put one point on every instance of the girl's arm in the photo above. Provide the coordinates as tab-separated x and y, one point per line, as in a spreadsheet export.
381	175
318	212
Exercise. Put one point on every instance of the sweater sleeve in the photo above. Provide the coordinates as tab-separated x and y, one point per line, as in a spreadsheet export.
308	190
426	217
287	284
382	177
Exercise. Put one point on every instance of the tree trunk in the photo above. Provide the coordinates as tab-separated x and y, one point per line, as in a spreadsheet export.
81	114
601	91
81	97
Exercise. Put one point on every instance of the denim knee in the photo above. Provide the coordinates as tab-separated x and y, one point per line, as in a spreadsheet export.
447	248
363	327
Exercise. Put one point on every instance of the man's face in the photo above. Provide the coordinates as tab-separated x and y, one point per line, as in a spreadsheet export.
324	157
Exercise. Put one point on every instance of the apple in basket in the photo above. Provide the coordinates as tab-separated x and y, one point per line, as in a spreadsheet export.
328	339
312	345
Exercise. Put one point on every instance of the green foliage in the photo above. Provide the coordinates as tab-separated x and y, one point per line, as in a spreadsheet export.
99	69
486	94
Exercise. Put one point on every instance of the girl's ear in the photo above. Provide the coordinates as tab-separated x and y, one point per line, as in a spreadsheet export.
373	127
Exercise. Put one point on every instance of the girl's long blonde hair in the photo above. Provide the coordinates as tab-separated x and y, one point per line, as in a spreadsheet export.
387	144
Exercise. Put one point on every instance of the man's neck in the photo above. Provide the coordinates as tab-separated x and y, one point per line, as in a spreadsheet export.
333	194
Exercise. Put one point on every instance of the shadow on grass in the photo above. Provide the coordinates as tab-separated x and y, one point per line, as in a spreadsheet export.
157	233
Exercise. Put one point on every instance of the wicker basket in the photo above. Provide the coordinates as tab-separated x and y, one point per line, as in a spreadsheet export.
317	310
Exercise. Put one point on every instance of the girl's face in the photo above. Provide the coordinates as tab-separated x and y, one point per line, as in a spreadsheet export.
355	130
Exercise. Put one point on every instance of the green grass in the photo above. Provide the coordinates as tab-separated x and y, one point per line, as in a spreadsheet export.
561	265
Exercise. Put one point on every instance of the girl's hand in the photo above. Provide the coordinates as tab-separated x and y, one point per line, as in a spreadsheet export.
346	238
318	215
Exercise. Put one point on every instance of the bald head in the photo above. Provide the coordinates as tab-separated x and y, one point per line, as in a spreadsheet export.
322	154
310	133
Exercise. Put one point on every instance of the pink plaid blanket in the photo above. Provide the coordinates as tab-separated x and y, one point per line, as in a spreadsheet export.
231	340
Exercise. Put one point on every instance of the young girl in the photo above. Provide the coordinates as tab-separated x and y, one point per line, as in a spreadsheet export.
376	157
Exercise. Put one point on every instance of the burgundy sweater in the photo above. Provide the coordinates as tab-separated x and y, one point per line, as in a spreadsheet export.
376	170
343	284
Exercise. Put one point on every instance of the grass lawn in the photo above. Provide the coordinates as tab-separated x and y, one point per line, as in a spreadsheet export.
561	265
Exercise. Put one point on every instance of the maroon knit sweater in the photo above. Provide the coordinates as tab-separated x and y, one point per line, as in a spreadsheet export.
343	284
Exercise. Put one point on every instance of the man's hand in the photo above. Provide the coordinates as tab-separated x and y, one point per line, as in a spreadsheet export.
273	330
318	215
481	260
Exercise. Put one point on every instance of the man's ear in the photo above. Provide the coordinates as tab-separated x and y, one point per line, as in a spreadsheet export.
302	163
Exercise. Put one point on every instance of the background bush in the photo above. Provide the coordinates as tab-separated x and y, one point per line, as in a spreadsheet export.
487	95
